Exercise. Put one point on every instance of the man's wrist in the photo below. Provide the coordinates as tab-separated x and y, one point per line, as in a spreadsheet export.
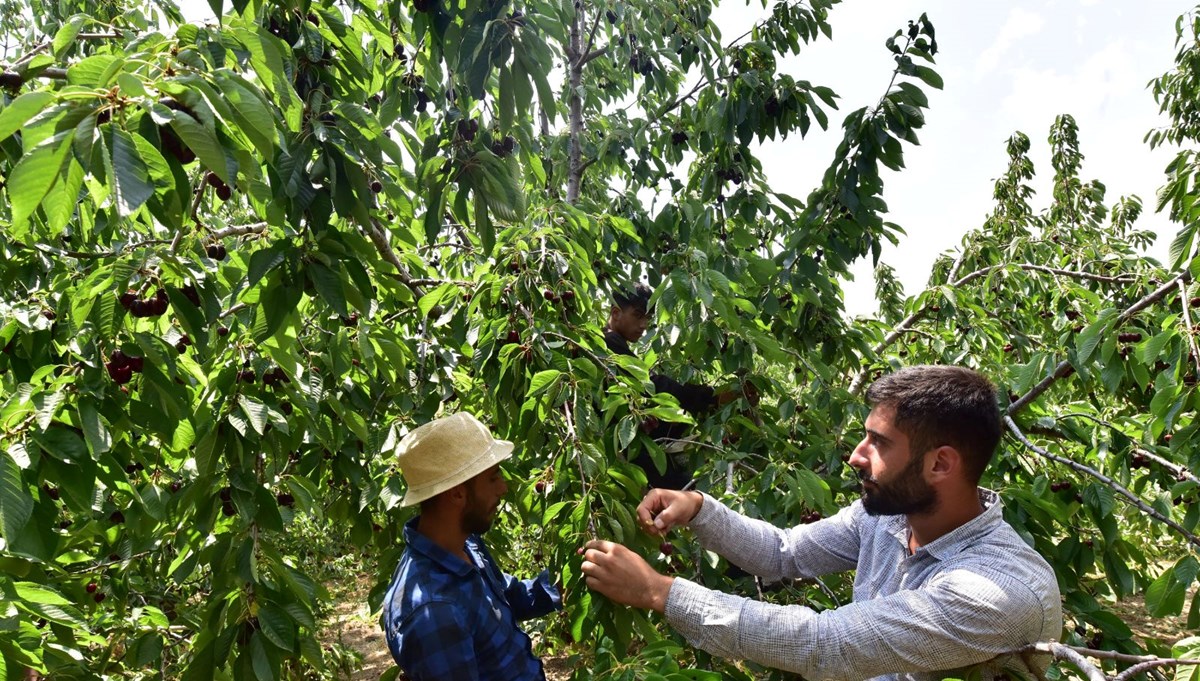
699	504
660	592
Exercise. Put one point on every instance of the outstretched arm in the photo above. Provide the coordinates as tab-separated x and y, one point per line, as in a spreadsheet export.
965	619
831	545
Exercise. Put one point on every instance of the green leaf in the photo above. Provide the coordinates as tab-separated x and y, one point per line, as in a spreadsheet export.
928	75
94	71
1181	245
203	142
131	85
542	381
255	411
65	37
262	262
131	180
35	174
1151	350
329	285
626	431
21	109
1090	337
252	113
218	7
277	626
95	432
16	505
1165	595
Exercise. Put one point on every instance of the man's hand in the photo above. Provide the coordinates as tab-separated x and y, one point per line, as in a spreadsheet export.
622	576
663	509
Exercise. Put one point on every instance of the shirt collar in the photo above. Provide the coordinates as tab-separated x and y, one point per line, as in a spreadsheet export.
964	535
419	543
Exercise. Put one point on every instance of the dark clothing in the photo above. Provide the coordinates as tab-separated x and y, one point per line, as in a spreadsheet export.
446	620
694	398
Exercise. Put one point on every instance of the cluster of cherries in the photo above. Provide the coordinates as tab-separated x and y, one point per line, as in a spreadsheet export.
121	366
144	307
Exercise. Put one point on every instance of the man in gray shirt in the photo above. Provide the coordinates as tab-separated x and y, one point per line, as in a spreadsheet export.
942	581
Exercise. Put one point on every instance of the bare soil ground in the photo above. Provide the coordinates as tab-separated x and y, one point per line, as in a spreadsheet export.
352	625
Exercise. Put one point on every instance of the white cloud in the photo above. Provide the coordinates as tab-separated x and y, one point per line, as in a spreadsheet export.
1021	23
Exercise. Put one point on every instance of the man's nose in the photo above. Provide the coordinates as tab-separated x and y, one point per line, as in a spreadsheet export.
858	458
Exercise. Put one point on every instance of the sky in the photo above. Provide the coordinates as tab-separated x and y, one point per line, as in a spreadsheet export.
1008	66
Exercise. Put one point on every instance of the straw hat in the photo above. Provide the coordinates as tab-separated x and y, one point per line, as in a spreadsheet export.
446	452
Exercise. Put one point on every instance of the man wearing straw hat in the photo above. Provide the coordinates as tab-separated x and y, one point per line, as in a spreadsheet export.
450	612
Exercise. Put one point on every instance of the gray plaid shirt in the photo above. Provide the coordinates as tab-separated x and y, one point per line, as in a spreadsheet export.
962	599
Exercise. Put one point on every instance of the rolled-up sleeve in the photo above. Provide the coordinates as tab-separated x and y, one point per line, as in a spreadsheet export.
964	618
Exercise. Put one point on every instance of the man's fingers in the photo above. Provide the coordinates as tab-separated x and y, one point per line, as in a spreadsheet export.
601	545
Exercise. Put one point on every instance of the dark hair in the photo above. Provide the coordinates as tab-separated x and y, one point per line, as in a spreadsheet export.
943	405
637	297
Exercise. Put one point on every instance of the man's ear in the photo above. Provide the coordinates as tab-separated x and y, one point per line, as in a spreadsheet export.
947	461
457	495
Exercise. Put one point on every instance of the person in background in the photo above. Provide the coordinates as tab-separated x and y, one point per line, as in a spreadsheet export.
942	582
627	322
450	613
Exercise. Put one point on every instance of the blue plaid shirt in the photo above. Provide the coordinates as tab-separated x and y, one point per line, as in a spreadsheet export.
446	620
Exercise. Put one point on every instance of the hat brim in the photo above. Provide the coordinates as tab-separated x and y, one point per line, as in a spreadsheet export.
498	451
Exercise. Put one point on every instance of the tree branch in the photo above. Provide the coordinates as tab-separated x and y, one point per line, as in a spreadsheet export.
594	54
584	57
239	230
439	282
1185	304
379	237
575	114
1109	482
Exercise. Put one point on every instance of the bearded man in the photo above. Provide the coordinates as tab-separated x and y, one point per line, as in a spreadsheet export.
942	582
450	613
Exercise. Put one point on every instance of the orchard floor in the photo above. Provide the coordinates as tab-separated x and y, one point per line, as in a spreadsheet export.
352	625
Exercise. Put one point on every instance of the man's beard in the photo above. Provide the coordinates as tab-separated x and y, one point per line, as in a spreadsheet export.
908	494
476	518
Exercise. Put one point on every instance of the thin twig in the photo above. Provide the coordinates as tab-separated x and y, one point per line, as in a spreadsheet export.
1181	472
192	212
84	255
232	310
583	479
